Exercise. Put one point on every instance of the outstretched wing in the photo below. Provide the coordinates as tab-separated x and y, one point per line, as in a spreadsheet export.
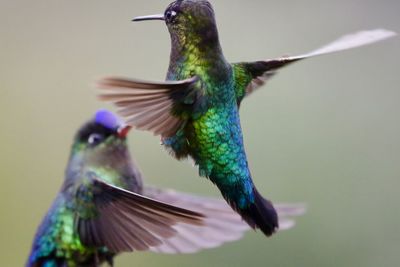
157	107
124	221
221	223
249	76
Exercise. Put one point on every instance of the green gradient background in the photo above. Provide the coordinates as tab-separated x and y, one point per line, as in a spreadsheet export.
325	131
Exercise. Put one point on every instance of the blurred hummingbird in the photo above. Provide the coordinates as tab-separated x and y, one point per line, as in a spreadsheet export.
103	208
196	111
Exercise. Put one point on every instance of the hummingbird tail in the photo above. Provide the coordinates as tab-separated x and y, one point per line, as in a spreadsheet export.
261	215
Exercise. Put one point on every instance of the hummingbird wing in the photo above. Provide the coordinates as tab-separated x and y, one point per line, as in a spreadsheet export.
152	106
125	221
249	76
221	223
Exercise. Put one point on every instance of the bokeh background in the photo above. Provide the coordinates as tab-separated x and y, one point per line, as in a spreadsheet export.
324	131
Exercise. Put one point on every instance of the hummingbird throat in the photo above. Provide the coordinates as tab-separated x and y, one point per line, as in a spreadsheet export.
191	47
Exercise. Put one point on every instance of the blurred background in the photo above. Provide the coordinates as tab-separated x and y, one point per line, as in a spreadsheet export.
324	131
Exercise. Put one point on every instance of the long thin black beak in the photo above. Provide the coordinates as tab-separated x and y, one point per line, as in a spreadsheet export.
151	17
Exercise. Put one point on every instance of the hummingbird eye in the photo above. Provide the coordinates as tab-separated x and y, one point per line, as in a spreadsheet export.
170	15
95	139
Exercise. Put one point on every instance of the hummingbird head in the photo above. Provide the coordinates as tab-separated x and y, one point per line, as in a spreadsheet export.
189	21
101	142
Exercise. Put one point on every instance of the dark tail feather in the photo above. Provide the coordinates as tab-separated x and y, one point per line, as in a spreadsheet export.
261	215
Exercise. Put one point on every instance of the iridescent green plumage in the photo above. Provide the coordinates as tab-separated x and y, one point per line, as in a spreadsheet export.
93	217
208	127
103	208
196	110
57	243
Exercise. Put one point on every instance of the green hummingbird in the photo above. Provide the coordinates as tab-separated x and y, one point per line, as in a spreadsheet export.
196	111
103	208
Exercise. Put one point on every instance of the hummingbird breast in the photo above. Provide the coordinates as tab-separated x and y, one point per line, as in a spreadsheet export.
216	144
213	136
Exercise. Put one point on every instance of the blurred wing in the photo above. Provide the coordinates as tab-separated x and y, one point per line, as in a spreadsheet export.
125	221
221	223
151	106
285	213
250	76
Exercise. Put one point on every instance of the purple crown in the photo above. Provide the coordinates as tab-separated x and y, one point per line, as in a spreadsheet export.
108	119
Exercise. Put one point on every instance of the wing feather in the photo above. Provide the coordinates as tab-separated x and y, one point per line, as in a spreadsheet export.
221	224
250	76
150	105
125	221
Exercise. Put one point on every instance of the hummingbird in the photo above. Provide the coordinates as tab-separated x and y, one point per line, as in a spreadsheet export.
104	209
196	110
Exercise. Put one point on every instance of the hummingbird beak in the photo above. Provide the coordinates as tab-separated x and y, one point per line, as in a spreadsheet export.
151	17
124	130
